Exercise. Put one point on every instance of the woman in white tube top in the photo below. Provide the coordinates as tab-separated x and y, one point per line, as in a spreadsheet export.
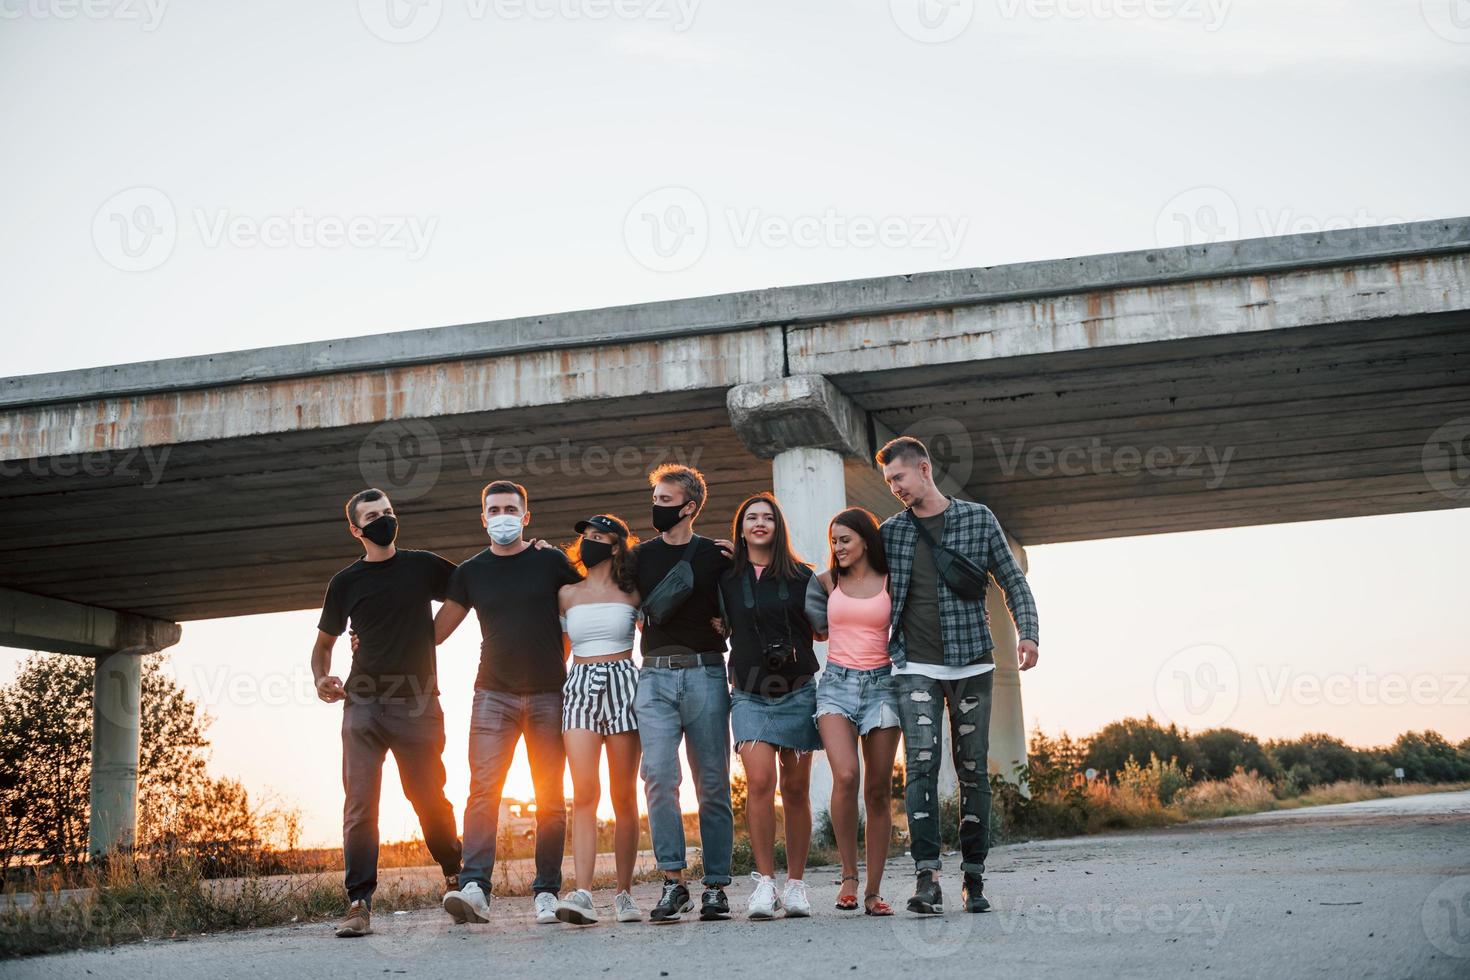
598	614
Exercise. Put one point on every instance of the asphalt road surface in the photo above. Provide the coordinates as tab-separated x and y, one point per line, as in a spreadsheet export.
1375	889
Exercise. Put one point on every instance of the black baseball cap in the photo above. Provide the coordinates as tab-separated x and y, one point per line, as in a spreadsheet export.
601	523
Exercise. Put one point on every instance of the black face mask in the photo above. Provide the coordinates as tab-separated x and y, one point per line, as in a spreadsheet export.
666	518
595	552
382	531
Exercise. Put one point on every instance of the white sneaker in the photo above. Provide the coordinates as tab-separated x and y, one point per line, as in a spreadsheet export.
626	908
764	903
798	906
545	907
468	904
577	908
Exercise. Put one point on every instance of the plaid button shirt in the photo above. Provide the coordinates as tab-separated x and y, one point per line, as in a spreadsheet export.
973	531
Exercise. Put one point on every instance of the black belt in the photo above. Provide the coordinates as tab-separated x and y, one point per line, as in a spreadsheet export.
682	661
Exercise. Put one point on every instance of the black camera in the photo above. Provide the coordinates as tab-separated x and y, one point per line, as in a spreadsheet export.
778	655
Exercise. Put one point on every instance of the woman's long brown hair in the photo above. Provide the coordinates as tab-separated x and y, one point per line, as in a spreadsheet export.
785	563
622	556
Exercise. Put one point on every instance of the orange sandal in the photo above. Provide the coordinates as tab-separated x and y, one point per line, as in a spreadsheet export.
845	904
879	907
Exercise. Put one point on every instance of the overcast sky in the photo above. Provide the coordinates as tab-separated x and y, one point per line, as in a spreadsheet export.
190	177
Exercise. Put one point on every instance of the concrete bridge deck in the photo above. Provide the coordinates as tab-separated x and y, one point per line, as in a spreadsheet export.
1278	379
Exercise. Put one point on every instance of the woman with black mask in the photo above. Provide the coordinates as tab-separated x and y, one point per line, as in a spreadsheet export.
773	697
598	614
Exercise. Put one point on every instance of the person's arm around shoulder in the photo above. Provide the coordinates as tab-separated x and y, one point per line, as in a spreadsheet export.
721	623
565	596
814	602
724	556
456	605
442	570
1017	591
447	620
566	571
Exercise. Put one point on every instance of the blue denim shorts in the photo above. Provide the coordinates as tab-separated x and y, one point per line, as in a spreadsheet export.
864	697
785	722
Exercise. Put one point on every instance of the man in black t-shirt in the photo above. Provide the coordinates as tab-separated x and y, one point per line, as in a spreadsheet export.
512	587
683	696
391	695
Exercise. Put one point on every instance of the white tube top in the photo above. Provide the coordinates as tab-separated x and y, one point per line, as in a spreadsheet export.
597	629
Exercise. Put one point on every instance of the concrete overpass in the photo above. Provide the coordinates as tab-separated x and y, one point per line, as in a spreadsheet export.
1280	379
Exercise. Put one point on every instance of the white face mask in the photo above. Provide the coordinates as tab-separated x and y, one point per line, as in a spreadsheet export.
504	528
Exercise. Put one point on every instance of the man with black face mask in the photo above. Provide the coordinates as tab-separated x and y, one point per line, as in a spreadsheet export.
391	695
683	694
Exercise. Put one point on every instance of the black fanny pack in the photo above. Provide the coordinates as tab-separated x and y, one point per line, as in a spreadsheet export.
675	587
964	578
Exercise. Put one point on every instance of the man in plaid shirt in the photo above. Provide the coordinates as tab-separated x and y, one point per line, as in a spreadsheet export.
942	653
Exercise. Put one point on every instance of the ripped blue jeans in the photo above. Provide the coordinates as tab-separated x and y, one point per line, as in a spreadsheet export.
921	704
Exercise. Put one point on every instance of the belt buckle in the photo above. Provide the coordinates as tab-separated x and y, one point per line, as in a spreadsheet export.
681	661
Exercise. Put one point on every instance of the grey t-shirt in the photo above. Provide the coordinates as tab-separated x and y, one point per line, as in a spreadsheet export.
923	636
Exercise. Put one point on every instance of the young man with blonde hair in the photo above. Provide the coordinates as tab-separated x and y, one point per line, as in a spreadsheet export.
683	694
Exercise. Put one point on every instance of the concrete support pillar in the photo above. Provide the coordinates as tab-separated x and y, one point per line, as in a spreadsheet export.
811	487
117	690
117	640
1007	720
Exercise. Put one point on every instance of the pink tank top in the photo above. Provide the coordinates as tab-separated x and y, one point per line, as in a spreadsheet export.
857	629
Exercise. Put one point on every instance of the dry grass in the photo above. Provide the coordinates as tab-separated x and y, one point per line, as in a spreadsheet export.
1249	793
1243	792
1088	808
129	901
1352	791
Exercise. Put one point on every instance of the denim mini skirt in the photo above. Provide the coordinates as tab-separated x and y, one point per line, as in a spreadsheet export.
785	721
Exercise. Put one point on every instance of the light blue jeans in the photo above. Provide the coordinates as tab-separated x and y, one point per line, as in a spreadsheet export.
691	704
498	721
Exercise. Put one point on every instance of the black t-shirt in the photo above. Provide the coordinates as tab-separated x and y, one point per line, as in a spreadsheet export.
689	629
514	596
388	603
767	620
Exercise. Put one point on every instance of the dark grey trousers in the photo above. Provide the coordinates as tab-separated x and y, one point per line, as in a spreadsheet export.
413	730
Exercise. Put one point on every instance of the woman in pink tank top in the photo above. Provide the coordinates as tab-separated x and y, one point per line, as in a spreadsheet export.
856	707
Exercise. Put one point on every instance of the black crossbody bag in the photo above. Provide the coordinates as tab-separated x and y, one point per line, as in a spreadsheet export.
964	578
671	591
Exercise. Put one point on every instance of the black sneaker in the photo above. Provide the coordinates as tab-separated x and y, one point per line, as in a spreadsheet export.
673	903
928	899
973	894
713	904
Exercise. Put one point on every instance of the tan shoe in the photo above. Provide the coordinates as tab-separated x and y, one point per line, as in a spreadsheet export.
358	922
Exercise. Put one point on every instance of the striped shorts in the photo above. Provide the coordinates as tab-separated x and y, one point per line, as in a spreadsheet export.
599	697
